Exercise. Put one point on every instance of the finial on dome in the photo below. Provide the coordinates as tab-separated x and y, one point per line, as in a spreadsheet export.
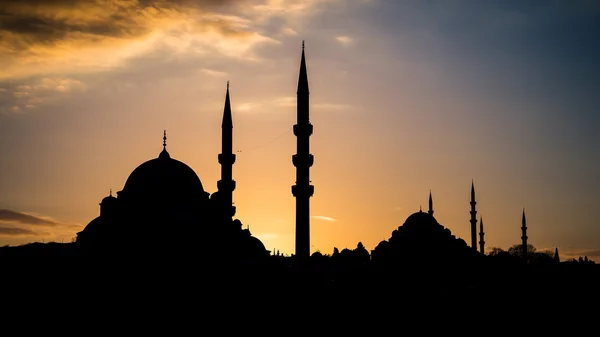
110	193
164	153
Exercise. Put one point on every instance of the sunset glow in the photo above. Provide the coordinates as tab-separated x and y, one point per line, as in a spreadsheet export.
406	97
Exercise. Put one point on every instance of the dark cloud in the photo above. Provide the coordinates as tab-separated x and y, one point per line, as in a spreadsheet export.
14	231
37	35
22	218
23	23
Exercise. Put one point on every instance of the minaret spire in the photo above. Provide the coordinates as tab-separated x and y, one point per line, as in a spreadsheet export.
473	218
303	160
481	235
524	236
227	119
226	185
430	204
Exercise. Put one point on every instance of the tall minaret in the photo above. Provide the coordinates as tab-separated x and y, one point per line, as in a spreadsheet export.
524	236
302	160
226	185
430	204
473	218
481	235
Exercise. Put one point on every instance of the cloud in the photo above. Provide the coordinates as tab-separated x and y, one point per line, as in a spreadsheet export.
289	31
35	92
16	231
345	40
324	218
17	225
285	101
247	107
90	35
212	72
27	219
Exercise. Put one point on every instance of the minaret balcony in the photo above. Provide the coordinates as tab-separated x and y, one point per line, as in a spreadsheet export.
226	158
299	190
298	161
226	185
303	130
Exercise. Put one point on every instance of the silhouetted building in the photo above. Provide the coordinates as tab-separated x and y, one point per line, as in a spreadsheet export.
556	257
421	242
163	208
481	235
524	236
303	160
473	218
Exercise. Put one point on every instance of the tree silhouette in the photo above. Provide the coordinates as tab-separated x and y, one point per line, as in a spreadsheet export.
497	251
517	250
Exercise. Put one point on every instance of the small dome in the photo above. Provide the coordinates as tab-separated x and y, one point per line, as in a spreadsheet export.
109	199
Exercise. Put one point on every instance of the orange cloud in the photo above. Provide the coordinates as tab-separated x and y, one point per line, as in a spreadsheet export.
36	92
322	217
54	37
21	224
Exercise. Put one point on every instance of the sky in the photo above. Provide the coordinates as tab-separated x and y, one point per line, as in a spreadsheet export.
407	97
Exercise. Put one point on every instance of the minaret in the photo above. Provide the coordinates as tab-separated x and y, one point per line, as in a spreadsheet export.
524	236
556	257
226	185
473	218
481	235
430	204
302	160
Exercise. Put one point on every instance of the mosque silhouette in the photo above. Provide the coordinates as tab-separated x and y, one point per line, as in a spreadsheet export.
163	210
163	207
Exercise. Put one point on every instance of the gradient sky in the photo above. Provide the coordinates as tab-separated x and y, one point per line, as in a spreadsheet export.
406	97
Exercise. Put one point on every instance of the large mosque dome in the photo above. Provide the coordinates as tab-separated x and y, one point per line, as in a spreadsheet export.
163	179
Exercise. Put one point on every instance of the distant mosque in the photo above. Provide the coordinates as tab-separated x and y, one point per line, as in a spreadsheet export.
421	240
